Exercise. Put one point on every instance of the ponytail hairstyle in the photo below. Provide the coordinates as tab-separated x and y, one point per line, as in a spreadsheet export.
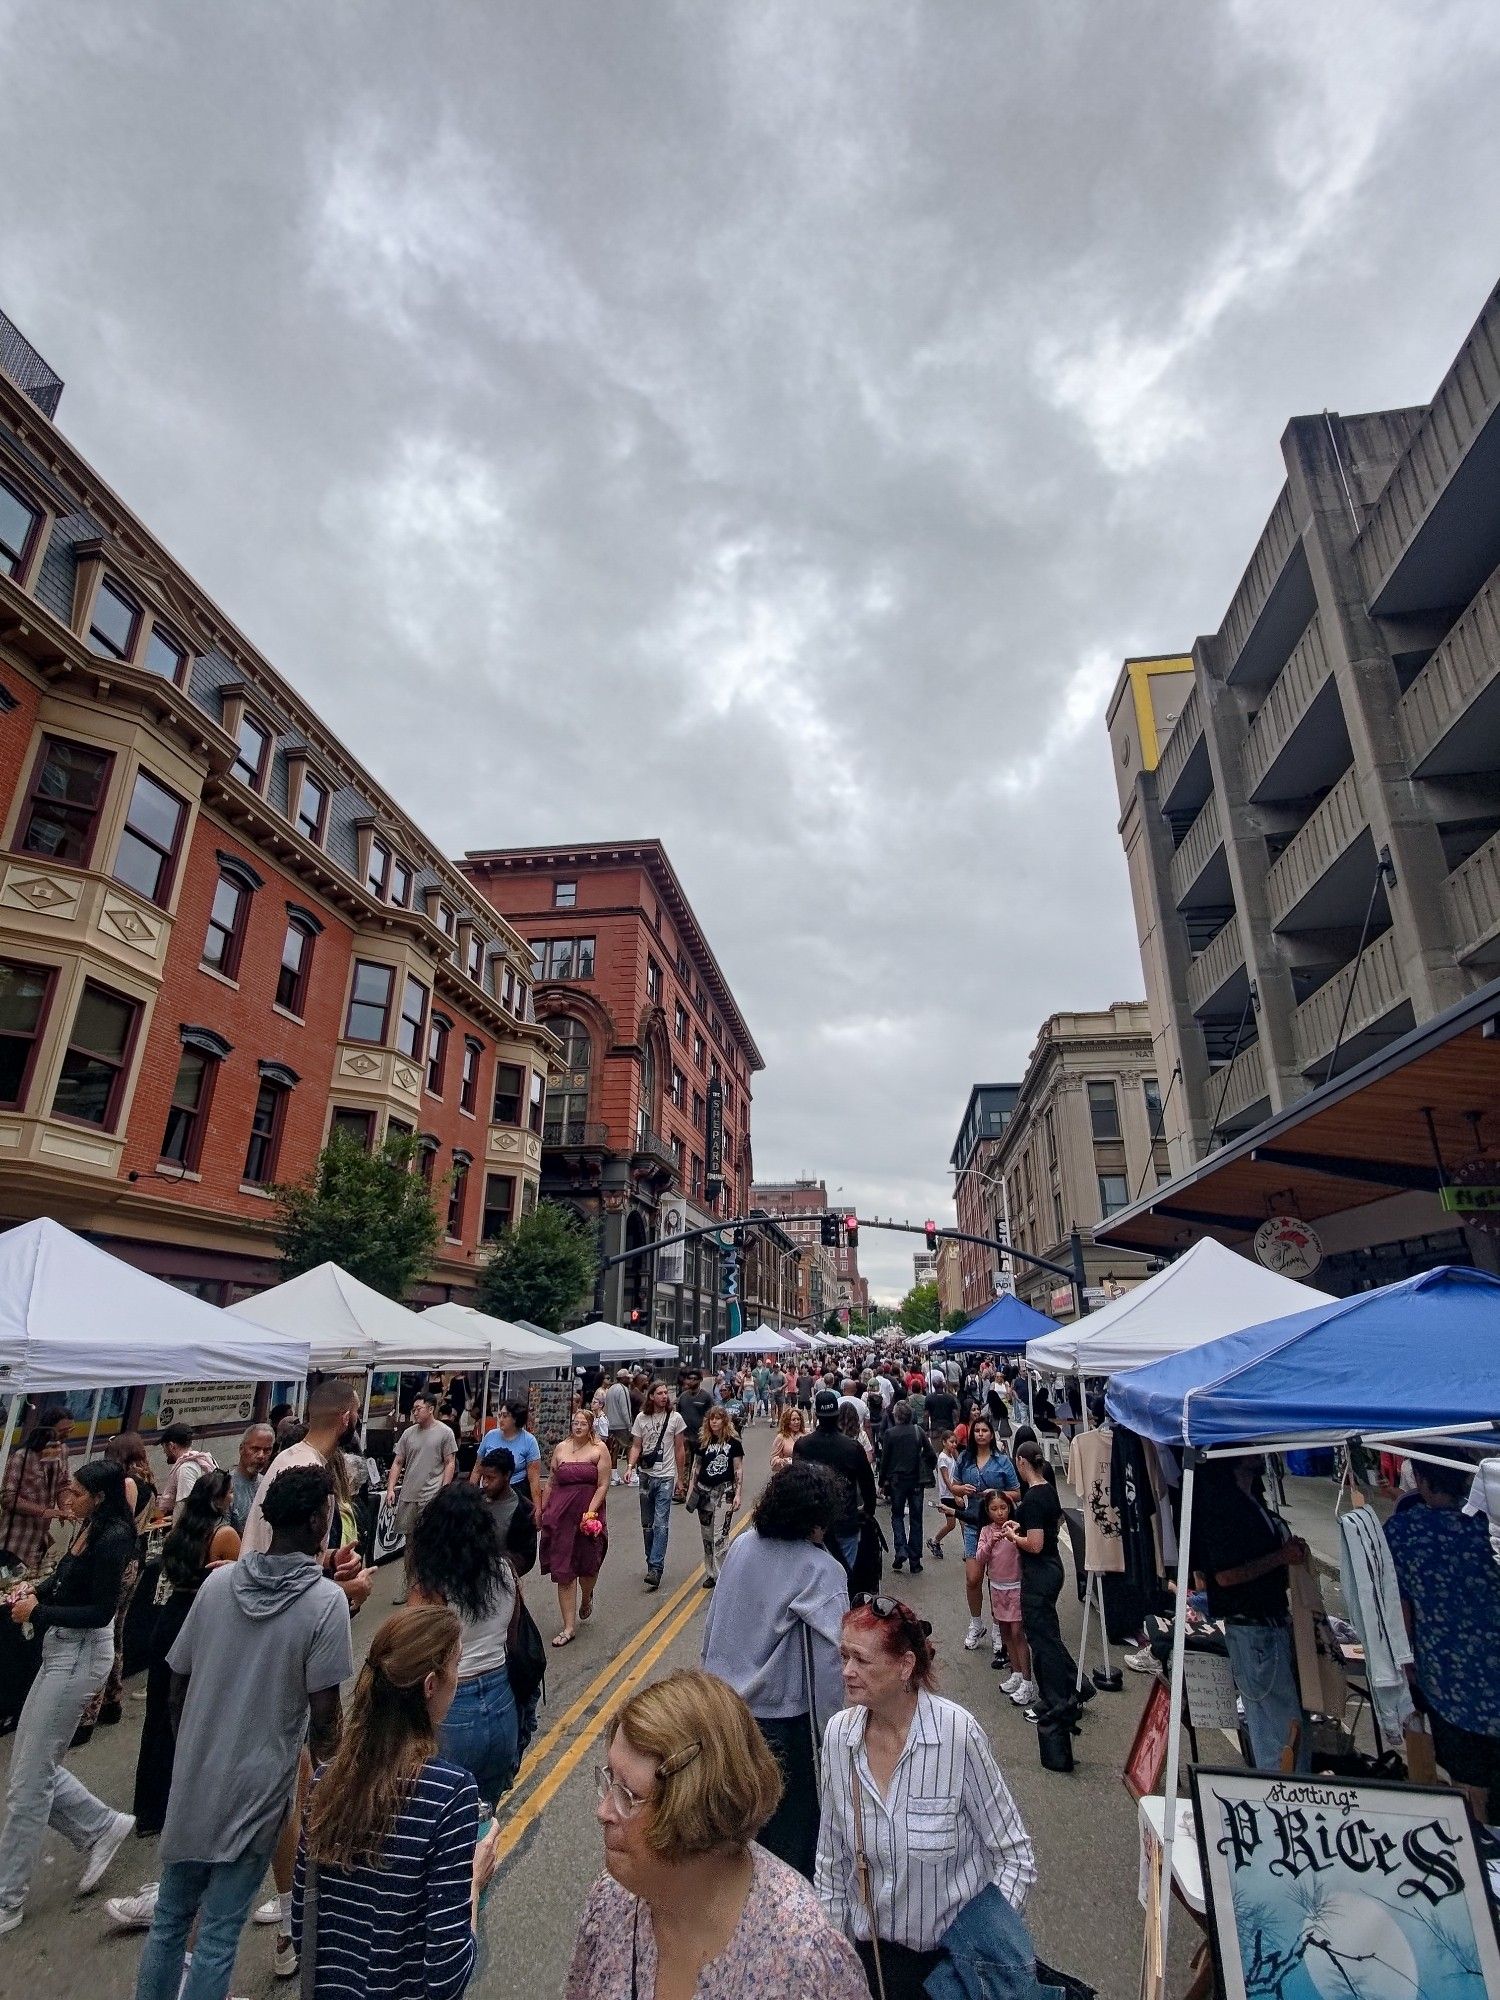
1032	1454
388	1737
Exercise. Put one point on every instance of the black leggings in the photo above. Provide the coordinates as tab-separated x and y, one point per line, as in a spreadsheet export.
1053	1667
791	1833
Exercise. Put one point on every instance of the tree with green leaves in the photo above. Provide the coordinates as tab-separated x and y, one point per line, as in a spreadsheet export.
543	1270
919	1311
954	1321
367	1212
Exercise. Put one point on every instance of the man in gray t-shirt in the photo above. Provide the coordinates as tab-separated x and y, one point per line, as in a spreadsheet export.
426	1459
259	1659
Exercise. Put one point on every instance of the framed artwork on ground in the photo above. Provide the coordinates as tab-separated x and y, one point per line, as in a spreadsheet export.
1147	1758
1319	1887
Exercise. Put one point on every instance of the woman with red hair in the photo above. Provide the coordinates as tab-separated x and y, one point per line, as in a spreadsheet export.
917	1819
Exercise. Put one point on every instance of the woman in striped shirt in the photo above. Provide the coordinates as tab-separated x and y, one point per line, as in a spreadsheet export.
389	1874
917	1819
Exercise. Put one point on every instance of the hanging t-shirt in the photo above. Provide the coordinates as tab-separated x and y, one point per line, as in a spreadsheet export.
1088	1475
716	1461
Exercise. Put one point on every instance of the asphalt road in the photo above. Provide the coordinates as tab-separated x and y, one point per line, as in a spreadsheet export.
1084	1913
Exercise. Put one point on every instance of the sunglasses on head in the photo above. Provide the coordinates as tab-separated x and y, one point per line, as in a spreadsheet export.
892	1607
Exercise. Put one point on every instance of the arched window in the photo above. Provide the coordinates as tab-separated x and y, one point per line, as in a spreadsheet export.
568	1098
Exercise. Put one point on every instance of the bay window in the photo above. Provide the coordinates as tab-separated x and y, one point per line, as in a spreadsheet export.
147	855
61	815
413	1021
98	1052
24	993
369	1002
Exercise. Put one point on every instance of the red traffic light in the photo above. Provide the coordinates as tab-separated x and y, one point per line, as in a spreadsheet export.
929	1229
851	1230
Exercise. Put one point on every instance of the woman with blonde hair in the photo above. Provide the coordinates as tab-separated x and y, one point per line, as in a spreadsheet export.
689	1905
389	1872
714	1486
790	1425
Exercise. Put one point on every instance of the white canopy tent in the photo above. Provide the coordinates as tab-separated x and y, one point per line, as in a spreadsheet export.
350	1323
616	1343
74	1317
513	1349
1207	1292
757	1340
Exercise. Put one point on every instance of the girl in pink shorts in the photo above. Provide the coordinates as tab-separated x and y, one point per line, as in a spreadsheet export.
1000	1562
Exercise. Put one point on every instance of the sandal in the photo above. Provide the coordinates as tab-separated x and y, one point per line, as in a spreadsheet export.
585	1613
564	1638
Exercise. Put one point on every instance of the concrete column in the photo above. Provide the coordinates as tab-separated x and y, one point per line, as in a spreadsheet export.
615	1179
1329	465
1226	721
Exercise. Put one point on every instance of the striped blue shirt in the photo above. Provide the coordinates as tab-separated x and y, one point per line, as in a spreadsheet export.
399	1929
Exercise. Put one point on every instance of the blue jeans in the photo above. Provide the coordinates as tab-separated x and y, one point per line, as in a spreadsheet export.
656	1519
906	1523
1265	1679
219	1894
848	1546
480	1732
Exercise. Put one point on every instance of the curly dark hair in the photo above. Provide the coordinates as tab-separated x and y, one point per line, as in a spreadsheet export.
799	1498
296	1496
455	1553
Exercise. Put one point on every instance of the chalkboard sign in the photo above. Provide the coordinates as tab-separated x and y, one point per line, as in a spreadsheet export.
549	1405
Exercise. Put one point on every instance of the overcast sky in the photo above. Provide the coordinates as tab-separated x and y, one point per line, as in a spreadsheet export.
766	426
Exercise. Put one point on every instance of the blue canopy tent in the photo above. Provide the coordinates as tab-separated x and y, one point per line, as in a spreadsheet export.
1416	1359
1007	1324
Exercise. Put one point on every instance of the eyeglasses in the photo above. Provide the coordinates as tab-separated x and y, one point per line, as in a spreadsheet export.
622	1801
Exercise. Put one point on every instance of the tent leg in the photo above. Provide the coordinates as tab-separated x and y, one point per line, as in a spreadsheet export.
1083	1636
88	1449
364	1415
1174	1722
12	1418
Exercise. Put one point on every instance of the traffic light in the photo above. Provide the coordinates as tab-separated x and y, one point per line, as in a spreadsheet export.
635	1315
929	1230
830	1228
851	1230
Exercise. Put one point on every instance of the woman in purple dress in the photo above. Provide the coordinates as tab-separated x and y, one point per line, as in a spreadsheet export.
573	1535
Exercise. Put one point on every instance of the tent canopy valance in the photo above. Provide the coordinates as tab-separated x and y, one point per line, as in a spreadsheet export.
1206	1293
1421	1355
351	1325
74	1317
1007	1324
512	1349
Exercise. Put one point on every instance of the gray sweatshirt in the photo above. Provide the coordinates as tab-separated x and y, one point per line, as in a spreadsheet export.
767	1592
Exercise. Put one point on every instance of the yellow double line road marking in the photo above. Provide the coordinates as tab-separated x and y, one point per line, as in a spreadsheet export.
646	1649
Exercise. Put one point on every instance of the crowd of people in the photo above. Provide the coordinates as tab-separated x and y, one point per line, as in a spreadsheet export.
804	1804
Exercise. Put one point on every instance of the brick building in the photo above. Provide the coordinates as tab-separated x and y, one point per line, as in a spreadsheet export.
651	1104
220	938
833	1281
979	1193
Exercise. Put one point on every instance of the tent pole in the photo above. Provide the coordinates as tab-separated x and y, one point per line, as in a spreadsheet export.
1083	1636
364	1415
12	1416
1174	1722
88	1449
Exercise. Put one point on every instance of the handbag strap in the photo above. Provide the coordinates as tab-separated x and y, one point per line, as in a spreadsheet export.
307	1960
862	1871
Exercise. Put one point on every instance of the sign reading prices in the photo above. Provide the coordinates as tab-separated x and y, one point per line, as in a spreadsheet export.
713	1179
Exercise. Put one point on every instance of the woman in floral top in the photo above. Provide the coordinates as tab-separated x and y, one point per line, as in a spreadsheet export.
689	1908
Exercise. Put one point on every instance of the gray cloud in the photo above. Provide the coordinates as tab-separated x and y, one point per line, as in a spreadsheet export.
766	425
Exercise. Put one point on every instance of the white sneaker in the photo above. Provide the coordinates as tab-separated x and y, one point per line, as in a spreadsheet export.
975	1637
1143	1662
104	1850
133	1913
10	1920
1025	1694
285	1962
615	1479
268	1913
1011	1683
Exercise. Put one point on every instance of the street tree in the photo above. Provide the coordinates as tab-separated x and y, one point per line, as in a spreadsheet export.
543	1270
367	1212
954	1321
919	1311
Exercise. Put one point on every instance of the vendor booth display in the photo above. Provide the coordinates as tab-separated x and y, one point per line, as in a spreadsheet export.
1417	1362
